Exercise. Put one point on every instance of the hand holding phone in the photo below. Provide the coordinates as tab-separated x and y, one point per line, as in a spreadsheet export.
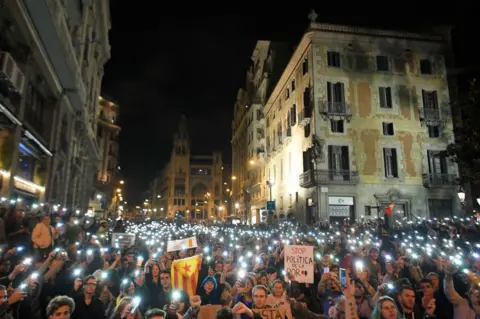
343	277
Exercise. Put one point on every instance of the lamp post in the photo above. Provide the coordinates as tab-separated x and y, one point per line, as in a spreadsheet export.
461	195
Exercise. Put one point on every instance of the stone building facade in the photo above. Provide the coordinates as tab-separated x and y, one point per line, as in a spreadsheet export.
189	186
357	121
249	189
55	53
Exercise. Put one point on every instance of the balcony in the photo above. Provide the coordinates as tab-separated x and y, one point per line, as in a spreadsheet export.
433	116
439	180
312	178
305	115
335	110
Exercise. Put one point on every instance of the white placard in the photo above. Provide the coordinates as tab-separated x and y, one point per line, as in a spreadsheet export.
299	263
181	244
121	240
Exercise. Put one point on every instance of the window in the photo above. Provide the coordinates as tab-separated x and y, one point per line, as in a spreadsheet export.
287	94
371	211
437	164
382	63
179	190
338	159
306	130
390	162
387	129
430	100
425	66
433	131
333	59
335	94
305	66
293	85
293	115
337	126
385	95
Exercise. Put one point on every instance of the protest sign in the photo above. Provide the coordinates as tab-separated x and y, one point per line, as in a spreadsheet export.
208	311
180	244
273	313
121	240
299	263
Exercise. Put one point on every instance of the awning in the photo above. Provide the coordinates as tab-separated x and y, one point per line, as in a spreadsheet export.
29	139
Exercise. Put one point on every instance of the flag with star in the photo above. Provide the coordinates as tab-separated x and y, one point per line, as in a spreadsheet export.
184	274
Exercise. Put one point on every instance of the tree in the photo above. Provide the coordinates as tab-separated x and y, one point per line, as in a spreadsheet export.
465	151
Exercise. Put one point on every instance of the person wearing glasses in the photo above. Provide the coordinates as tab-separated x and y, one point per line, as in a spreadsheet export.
87	305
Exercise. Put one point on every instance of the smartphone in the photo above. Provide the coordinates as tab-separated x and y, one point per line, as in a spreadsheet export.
343	277
135	303
326	270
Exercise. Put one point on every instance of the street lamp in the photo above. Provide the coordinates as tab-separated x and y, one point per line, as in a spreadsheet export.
461	195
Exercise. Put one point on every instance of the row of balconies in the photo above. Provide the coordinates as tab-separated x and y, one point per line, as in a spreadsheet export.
317	177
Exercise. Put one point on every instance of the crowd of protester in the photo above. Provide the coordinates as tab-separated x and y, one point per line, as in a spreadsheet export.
61	265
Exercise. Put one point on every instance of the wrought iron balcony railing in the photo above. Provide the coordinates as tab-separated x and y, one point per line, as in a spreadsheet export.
437	180
312	178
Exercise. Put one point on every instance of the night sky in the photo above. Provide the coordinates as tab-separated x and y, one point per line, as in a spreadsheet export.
169	61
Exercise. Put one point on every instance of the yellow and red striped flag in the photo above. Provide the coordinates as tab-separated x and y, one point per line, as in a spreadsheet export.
184	274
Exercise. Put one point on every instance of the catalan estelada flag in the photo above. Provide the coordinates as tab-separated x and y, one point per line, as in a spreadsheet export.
184	274
389	209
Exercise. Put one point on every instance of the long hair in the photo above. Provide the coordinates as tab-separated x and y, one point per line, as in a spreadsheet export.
123	303
377	311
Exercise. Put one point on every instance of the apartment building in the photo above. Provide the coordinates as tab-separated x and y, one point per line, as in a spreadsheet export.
107	178
249	187
52	55
356	122
189	186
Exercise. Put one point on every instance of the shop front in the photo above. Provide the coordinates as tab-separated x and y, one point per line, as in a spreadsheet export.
340	208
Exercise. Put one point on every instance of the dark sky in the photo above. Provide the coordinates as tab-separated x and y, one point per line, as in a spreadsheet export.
183	59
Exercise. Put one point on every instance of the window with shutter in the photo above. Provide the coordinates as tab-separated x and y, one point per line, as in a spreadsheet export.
390	162
433	131
385	96
305	66
387	129
425	66
382	63
333	59
293	112
337	126
430	99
